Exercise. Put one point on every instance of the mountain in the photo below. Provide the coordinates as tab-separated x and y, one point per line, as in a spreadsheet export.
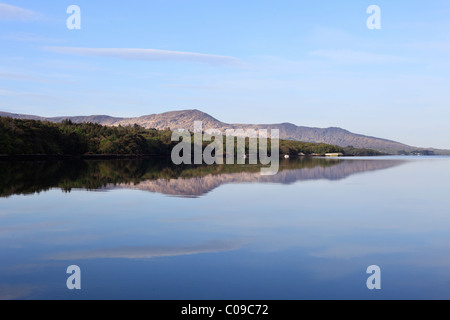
185	120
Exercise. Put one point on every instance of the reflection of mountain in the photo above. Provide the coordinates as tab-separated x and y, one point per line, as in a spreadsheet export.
162	176
198	186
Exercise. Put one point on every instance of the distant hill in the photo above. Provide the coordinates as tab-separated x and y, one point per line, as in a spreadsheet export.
185	120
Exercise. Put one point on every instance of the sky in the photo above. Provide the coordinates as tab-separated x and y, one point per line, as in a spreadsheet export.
311	63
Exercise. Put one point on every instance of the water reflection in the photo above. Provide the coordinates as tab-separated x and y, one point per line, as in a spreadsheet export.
161	176
295	235
148	252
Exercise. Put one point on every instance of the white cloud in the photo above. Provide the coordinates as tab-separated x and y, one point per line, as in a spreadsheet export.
12	13
149	55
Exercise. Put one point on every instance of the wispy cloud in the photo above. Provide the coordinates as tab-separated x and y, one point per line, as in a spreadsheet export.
149	55
13	13
60	79
353	56
16	76
24	94
30	37
188	86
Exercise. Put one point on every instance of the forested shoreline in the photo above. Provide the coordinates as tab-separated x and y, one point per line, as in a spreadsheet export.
28	138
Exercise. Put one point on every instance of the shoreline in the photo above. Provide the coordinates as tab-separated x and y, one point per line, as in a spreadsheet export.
41	157
46	157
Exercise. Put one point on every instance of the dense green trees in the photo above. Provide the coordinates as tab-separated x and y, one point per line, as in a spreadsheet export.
66	138
293	148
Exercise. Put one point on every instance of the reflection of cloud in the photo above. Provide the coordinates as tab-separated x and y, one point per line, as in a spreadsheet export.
32	227
434	255
8	292
147	252
23	269
148	55
11	13
349	251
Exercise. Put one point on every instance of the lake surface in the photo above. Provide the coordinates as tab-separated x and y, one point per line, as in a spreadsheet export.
145	229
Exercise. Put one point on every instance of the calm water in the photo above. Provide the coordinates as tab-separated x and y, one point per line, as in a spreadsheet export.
148	230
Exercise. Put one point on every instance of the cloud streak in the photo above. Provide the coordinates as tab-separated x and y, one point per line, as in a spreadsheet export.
13	13
355	57
149	55
24	77
29	37
23	94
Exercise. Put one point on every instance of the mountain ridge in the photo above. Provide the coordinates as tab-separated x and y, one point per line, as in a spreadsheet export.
184	119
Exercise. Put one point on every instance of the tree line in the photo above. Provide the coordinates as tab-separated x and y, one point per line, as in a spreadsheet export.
34	137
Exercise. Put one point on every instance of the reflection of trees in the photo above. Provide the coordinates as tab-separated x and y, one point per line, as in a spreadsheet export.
160	175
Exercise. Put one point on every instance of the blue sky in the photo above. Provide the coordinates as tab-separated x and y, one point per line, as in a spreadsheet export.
312	63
